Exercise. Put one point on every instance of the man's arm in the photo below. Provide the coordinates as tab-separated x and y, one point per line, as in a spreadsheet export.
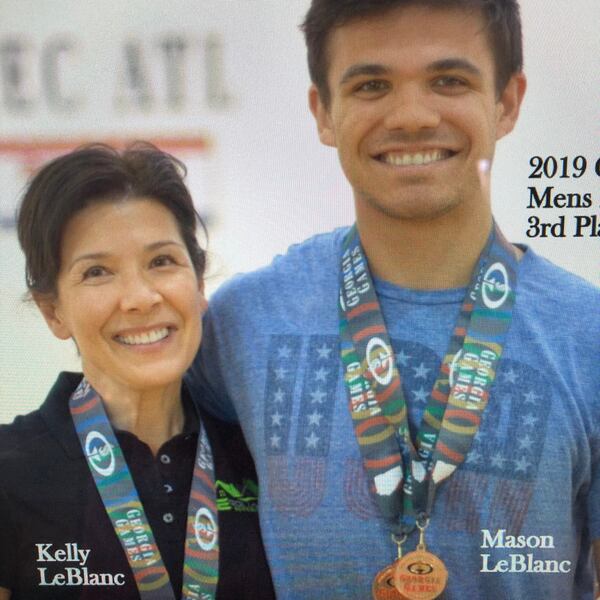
4	594
596	553
205	377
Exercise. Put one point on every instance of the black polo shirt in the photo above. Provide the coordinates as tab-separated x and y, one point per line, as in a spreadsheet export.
56	541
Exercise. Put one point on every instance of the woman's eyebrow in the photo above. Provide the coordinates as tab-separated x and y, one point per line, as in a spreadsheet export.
103	255
161	243
90	256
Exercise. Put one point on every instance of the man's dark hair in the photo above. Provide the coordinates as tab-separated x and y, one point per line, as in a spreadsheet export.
98	173
502	17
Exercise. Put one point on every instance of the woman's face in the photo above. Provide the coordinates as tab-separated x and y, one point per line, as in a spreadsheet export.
128	294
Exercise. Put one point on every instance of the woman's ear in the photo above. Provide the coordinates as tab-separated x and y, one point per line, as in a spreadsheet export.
48	306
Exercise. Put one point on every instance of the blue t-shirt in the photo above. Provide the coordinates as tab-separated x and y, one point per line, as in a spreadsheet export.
270	357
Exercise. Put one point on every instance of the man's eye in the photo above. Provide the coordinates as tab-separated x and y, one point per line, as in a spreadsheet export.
372	86
162	261
95	271
450	82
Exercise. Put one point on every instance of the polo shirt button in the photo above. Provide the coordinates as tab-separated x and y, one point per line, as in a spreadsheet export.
168	488
168	518
165	459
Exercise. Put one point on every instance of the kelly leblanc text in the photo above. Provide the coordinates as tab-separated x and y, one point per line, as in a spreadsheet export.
64	565
520	562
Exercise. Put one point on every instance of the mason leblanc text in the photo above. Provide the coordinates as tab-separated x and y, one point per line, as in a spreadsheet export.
520	562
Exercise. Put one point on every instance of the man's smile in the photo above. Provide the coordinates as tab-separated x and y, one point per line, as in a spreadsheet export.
405	159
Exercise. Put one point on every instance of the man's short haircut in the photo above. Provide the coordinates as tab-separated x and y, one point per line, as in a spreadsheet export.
502	17
92	174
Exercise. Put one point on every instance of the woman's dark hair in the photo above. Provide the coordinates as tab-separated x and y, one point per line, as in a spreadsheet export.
502	18
98	173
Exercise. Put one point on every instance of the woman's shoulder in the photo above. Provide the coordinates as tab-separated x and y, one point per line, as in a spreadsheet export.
34	432
17	436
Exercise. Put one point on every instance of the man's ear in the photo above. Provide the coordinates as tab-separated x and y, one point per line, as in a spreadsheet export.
322	117
203	300
48	308
509	104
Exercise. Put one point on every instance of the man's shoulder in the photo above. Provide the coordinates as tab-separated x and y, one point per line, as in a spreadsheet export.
308	264
566	304
547	280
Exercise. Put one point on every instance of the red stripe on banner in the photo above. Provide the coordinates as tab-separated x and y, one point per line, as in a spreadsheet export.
460	331
455	456
468	307
389	390
368	331
361	309
380	463
212	555
204	476
140	575
467	415
85	407
437	395
203	498
365	425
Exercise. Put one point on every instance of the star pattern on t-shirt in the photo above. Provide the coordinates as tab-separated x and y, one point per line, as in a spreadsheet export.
318	395
279	391
324	351
513	425
529	420
318	357
418	367
284	351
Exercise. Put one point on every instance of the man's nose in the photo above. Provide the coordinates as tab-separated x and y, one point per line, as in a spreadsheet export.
411	109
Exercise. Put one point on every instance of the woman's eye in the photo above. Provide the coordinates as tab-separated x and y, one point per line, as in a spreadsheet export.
162	261
95	271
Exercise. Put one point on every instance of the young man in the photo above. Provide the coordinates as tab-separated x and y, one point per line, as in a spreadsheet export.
416	385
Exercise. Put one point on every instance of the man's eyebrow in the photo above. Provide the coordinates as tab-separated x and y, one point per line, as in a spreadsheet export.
363	69
454	64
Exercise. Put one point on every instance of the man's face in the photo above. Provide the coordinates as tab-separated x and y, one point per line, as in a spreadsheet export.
414	109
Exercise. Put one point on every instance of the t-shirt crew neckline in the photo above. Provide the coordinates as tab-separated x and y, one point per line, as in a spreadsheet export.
385	289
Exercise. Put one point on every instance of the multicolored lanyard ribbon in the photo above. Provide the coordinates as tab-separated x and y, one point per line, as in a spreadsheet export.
121	501
404	478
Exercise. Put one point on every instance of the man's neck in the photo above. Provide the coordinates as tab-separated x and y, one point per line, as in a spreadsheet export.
439	253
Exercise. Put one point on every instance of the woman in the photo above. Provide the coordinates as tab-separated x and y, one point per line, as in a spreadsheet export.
109	490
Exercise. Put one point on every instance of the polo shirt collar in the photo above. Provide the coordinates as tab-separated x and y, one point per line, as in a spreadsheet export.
56	414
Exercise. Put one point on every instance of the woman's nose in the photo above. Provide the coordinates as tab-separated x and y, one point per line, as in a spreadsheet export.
139	293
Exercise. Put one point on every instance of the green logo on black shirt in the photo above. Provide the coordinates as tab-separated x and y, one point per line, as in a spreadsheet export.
231	496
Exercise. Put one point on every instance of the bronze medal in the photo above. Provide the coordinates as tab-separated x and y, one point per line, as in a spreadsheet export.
420	575
383	587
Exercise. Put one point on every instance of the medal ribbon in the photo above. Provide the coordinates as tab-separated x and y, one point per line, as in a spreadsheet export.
116	488
458	398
